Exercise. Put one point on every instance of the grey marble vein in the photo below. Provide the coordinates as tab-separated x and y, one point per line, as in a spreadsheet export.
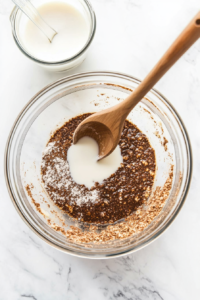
29	296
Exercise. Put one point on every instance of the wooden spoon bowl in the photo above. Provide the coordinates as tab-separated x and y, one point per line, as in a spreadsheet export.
99	132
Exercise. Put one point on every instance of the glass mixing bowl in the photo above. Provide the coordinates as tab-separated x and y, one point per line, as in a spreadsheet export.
72	96
18	22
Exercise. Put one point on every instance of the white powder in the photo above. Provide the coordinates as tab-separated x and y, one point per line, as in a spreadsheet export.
48	149
58	177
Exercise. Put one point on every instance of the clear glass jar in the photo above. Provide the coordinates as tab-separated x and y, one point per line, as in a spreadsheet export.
18	21
72	96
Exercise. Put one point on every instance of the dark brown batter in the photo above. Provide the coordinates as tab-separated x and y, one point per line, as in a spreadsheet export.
118	196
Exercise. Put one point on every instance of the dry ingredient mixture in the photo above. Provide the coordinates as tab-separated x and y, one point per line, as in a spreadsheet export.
133	224
118	196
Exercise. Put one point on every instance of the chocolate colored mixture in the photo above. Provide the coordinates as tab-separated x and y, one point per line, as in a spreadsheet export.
118	196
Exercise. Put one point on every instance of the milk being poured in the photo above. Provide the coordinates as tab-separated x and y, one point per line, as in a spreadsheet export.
84	167
71	25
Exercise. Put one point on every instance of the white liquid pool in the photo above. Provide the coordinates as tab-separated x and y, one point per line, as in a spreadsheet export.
84	167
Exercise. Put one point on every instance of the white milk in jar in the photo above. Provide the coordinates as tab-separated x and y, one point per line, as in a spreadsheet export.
72	27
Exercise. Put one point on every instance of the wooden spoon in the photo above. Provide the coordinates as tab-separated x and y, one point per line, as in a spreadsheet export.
106	126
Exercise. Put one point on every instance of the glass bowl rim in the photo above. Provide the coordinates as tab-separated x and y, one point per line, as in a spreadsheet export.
23	50
81	76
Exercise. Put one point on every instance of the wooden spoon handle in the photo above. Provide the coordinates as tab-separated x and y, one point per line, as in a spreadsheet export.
189	35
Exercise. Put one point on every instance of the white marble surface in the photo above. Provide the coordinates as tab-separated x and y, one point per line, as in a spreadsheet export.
131	36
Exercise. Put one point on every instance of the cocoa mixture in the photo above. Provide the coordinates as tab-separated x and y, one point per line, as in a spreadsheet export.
120	195
134	224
